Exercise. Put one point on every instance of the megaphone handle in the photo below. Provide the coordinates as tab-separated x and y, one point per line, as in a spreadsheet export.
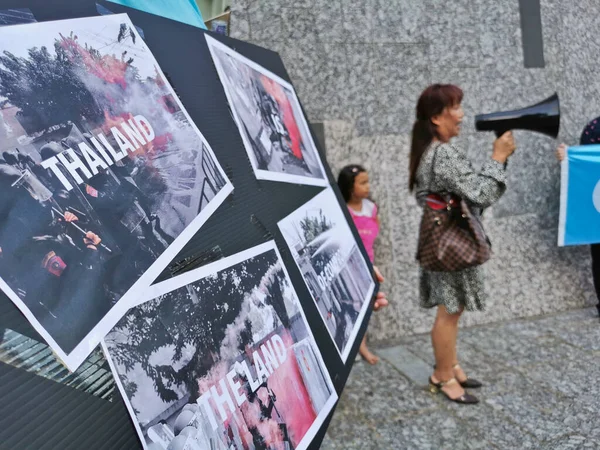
500	132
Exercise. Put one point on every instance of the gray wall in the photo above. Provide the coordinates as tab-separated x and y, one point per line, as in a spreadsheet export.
359	66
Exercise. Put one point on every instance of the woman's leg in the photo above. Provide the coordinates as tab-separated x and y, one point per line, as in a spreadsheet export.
366	353
443	338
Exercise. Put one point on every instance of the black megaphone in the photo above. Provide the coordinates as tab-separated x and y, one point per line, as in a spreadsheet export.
543	117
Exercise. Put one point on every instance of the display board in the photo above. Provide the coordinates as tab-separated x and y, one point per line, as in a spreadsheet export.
248	217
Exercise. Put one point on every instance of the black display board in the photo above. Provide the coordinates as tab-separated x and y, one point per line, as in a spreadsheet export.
36	412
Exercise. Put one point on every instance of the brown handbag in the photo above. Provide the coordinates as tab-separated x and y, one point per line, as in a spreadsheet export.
451	236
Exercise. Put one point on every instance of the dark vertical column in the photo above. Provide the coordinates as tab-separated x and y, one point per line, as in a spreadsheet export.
531	32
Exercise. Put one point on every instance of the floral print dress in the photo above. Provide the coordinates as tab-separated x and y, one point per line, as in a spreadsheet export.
453	173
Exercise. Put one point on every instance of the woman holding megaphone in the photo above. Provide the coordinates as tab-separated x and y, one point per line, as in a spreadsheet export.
452	243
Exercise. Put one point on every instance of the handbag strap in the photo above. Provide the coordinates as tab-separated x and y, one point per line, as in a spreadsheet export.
450	200
427	192
431	170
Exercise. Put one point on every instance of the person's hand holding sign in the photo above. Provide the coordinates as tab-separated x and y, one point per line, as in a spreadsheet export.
561	152
91	240
70	217
381	300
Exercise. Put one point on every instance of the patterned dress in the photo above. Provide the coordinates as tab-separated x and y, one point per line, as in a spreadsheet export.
454	173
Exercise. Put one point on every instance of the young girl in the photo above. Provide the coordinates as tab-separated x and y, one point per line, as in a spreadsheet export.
353	182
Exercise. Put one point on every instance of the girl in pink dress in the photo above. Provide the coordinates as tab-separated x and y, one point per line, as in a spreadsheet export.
353	182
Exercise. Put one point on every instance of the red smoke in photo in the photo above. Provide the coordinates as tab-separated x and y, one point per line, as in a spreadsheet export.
293	404
105	67
277	92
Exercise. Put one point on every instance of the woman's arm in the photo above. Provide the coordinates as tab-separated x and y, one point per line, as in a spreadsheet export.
454	172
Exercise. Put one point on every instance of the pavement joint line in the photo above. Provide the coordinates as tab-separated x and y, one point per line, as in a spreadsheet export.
510	420
441	404
547	340
501	324
397	370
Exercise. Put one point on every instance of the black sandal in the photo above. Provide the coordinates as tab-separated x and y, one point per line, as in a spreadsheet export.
465	399
469	383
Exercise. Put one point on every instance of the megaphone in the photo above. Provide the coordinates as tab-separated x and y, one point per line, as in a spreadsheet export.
543	117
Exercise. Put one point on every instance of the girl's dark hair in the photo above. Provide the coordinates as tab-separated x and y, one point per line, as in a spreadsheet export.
431	103
346	179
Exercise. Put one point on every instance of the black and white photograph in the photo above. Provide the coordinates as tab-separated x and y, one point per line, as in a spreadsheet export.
222	358
333	267
104	176
271	122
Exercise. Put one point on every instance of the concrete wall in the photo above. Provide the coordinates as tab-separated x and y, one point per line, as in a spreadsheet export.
359	66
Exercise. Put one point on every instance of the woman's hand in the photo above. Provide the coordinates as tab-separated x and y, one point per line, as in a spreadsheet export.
504	146
561	152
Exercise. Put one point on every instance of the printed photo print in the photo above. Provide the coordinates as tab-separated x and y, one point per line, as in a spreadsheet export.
334	269
103	176
268	115
222	359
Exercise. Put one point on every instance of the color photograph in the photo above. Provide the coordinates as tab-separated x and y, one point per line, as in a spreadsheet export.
270	119
104	176
334	269
222	358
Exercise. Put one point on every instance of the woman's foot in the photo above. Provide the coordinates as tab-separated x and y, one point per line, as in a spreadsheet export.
368	356
452	390
463	379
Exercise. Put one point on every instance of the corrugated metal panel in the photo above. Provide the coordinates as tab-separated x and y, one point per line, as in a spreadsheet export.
39	414
22	352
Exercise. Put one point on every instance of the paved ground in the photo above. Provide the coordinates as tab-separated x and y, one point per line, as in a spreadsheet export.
542	391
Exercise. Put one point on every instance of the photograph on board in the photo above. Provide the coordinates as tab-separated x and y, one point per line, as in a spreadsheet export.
103	176
270	119
222	358
333	267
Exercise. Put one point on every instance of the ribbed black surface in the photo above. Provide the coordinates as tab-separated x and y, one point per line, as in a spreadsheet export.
93	376
37	413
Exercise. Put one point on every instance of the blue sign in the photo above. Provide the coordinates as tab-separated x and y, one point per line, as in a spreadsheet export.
579	221
185	11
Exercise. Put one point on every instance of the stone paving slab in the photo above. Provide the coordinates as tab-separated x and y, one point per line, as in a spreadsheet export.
542	391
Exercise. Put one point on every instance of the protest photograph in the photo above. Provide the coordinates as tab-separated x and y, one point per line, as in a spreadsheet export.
333	268
223	358
104	177
270	119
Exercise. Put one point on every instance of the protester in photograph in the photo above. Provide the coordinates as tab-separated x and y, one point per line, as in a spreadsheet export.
589	136
353	182
438	166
